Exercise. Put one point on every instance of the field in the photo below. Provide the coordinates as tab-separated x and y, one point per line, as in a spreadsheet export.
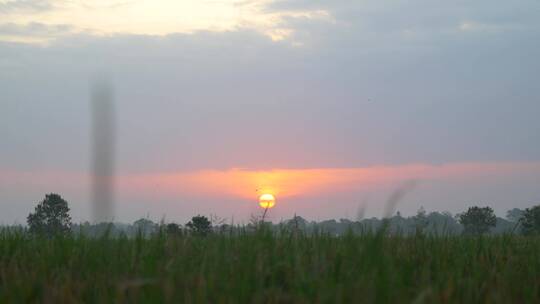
265	267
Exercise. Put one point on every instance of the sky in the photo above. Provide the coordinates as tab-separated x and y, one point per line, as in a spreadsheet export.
329	105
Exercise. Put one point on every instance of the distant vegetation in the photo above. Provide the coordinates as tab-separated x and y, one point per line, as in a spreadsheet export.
436	257
51	216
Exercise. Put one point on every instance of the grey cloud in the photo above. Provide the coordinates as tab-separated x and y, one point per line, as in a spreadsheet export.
211	100
25	6
354	94
34	29
381	21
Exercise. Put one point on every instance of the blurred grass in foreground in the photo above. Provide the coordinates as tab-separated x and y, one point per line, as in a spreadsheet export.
266	267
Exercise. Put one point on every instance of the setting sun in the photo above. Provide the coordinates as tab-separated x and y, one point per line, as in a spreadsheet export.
267	201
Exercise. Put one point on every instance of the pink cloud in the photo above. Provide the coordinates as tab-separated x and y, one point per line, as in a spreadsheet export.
309	182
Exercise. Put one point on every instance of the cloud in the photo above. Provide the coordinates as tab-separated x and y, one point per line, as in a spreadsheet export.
159	18
335	105
315	192
25	6
373	25
386	24
285	183
34	28
472	26
311	182
34	33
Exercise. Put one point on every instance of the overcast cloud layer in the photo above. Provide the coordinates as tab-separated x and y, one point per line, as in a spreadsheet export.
295	85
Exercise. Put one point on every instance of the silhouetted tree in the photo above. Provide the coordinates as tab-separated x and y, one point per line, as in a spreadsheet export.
514	215
173	229
145	226
51	216
478	220
296	223
530	222
200	225
420	220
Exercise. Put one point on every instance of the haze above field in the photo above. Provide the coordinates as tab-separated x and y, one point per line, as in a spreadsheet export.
329	105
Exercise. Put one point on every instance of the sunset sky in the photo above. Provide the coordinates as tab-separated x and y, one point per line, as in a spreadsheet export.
329	105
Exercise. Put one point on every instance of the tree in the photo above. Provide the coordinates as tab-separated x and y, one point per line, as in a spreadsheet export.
298	223
478	220
172	229
145	226
50	217
200	225
514	215
421	221
530	222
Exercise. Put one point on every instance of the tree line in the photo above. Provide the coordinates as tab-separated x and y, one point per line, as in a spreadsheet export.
51	217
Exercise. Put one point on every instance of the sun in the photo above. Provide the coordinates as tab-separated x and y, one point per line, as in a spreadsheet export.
267	201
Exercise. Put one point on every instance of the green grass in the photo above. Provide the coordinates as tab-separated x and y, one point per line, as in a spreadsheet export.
265	268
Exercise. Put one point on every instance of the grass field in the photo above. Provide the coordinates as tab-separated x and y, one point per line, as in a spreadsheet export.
264	267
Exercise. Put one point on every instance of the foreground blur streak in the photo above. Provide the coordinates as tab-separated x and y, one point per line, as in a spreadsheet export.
103	148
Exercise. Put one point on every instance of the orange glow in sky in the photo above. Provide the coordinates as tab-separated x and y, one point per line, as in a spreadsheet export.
314	192
285	183
249	185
